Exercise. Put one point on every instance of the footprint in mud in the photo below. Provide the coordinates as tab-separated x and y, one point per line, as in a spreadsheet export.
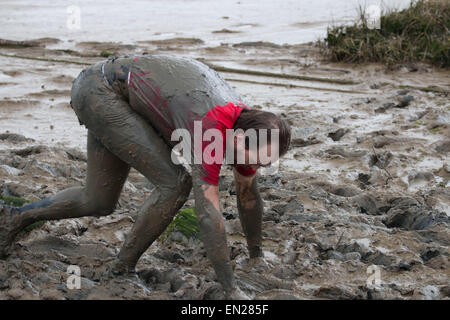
338	134
70	249
409	214
180	284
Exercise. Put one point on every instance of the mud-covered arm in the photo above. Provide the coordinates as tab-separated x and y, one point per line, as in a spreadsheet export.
251	209
212	230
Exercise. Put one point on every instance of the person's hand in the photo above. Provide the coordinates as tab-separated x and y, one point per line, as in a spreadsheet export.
236	294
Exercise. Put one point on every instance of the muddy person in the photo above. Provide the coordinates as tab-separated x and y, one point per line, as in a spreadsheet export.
131	105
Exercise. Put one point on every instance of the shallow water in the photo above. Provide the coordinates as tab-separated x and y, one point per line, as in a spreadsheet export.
287	21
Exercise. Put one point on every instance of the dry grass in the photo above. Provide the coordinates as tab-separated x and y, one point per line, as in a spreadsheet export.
419	33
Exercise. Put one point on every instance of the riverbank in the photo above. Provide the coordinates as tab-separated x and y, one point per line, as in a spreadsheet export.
365	183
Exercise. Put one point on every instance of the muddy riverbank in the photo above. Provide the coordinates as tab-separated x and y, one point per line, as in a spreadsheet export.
365	183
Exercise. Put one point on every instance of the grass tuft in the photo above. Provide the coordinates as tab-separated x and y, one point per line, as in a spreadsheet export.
184	222
106	54
14	201
419	33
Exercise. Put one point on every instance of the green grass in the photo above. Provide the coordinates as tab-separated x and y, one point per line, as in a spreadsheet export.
106	54
14	201
185	222
418	33
435	130
34	226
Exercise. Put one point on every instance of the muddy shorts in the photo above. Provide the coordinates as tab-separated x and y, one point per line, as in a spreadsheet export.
90	84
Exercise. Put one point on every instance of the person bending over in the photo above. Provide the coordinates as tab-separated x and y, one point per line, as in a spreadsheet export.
132	106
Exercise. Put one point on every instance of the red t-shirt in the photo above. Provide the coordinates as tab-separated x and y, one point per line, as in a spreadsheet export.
221	118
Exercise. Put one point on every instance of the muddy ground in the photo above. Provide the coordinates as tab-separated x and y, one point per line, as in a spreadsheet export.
366	182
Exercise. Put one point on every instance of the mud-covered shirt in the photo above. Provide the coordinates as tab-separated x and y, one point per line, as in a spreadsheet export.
172	92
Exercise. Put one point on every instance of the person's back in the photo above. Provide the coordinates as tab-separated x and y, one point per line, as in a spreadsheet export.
170	92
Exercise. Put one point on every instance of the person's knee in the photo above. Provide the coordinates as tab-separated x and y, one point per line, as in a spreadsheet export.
102	210
98	207
176	193
182	188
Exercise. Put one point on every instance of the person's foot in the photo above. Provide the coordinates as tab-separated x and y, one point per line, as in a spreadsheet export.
118	268
6	229
258	264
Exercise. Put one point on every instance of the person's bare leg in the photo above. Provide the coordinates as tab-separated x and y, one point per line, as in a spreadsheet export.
154	217
106	174
135	141
131	138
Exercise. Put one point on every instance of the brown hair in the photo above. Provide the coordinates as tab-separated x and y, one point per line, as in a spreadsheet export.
257	119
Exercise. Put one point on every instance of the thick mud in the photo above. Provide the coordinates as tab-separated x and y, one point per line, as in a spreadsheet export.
366	182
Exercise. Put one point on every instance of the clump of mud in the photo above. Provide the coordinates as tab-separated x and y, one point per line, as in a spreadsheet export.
319	240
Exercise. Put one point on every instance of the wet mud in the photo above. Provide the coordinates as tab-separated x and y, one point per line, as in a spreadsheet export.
365	183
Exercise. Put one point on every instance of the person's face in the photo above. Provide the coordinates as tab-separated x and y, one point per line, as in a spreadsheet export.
255	158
